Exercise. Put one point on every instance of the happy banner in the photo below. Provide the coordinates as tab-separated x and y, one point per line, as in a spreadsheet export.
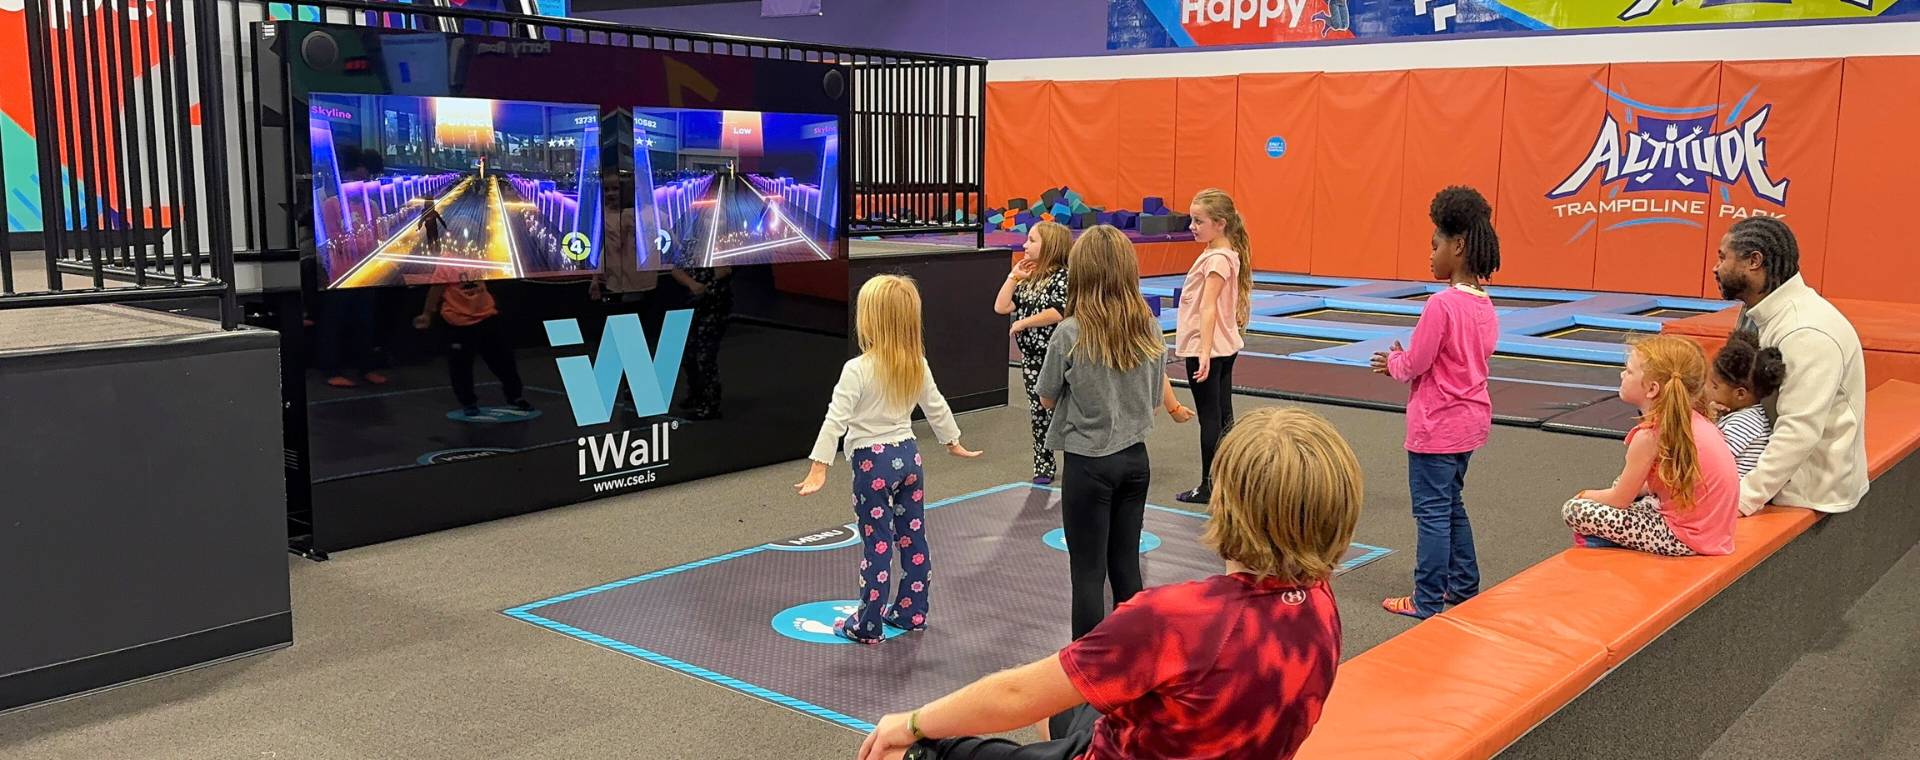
1210	23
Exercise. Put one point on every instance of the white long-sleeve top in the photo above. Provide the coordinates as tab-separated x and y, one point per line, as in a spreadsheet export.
1817	458
859	411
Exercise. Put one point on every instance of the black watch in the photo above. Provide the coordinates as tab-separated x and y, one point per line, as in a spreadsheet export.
919	751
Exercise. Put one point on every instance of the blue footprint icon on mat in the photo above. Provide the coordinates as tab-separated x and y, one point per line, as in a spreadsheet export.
809	625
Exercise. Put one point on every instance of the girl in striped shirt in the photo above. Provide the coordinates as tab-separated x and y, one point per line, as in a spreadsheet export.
1744	374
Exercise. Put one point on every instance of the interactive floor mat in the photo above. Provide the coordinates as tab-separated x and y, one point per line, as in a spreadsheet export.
759	620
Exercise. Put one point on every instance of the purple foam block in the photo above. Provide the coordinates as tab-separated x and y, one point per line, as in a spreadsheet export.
1153	205
1026	219
1125	219
1104	217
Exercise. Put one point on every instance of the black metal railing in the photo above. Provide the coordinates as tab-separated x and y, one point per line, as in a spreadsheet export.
915	140
111	83
163	159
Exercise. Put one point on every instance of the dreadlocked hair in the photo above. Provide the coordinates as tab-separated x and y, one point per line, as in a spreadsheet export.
1679	367
1219	206
1744	363
1773	240
1461	212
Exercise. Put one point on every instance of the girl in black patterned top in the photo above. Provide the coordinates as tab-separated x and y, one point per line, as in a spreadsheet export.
1035	293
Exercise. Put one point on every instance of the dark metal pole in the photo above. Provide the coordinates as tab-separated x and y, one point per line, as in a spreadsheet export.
250	184
165	59
148	104
6	230
213	112
182	109
65	123
978	186
93	142
126	142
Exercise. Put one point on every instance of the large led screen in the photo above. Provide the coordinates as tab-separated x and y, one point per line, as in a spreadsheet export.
422	190
732	188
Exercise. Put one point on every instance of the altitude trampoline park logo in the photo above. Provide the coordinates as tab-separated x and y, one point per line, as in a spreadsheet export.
1675	150
625	458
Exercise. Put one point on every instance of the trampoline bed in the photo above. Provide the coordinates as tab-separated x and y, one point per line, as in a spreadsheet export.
1597	334
1670	313
1352	316
1521	303
1560	371
1287	287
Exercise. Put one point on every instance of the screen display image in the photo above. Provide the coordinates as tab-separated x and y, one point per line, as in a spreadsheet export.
733	188
415	190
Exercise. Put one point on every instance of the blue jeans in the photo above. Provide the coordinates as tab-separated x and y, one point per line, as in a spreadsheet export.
1446	567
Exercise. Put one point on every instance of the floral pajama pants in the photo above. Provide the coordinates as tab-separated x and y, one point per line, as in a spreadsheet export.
889	498
1640	526
1031	357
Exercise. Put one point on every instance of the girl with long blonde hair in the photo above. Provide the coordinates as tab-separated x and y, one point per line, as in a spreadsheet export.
1102	376
1215	306
1679	493
1035	294
872	408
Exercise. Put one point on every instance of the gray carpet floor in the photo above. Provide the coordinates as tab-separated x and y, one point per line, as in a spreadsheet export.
400	650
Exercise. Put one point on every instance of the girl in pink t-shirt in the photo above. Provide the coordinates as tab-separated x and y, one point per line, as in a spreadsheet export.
1214	309
1448	411
1679	493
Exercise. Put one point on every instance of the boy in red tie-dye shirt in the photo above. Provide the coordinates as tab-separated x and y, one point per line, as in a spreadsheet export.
1236	665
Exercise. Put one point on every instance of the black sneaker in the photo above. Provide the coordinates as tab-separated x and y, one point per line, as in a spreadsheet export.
1195	496
470	411
522	404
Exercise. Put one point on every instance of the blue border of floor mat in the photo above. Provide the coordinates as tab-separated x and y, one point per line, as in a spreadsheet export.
524	613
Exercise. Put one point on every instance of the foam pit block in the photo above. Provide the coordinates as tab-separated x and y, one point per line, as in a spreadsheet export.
1153	205
1018	204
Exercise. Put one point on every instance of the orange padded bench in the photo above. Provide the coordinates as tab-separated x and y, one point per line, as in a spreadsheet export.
1472	680
1887	335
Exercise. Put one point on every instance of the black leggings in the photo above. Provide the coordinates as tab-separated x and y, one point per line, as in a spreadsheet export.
1213	403
1072	733
1103	501
486	340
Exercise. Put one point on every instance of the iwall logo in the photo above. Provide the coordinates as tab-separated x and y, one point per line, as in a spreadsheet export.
627	458
1675	149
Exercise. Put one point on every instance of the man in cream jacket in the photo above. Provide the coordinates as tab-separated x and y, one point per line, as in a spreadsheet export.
1818	456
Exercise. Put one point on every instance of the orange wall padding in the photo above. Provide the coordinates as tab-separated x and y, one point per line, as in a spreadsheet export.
1207	109
1019	140
1803	102
1085	123
1552	114
1871	245
1277	191
1453	138
1662	249
1365	153
1147	128
1356	193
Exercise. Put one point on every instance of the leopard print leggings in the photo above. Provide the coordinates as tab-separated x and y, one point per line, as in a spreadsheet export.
1639	526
